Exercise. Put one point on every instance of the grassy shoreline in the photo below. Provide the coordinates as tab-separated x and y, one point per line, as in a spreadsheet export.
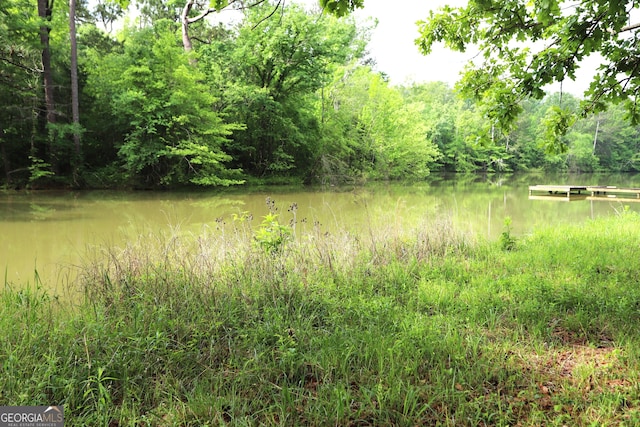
253	327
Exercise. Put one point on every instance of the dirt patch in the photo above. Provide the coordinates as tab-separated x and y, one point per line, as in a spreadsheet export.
584	367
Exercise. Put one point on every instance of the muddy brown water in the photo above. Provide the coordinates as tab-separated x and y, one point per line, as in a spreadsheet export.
50	232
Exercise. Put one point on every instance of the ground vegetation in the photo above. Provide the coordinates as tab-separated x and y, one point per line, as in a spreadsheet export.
281	323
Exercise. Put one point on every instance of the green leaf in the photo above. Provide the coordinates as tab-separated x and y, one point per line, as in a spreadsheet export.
218	4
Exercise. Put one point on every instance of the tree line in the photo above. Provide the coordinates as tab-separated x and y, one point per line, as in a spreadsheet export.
152	94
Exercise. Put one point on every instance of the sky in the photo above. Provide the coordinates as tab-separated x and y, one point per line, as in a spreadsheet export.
393	43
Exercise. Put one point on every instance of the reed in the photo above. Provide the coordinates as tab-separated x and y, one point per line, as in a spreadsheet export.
423	327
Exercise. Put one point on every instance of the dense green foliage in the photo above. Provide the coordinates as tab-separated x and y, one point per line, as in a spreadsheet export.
162	109
258	327
283	93
526	45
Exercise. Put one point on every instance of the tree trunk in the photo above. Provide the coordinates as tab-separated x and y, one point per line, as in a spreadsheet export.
595	137
5	159
45	10
186	40
185	21
75	103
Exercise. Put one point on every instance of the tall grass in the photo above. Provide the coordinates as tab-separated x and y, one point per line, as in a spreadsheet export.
424	327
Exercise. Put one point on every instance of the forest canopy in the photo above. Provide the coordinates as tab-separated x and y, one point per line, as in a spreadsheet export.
154	93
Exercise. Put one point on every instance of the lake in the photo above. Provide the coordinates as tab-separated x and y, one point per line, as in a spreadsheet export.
52	231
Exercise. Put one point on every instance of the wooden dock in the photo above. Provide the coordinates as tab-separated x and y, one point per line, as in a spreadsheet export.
566	190
609	191
598	192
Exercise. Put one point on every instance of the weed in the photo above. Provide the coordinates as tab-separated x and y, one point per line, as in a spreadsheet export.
507	241
431	328
272	236
97	397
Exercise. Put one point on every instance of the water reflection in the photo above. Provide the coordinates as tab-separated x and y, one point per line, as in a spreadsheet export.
559	197
582	197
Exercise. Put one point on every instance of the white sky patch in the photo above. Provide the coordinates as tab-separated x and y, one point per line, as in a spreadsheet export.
393	43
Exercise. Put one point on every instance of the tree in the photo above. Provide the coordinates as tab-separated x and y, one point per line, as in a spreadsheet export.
75	96
203	9
523	141
526	45
165	110
189	12
370	129
612	139
341	7
274	72
21	94
152	11
45	12
108	12
441	113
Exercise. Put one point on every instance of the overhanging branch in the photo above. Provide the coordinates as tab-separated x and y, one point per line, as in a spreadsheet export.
630	27
275	9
